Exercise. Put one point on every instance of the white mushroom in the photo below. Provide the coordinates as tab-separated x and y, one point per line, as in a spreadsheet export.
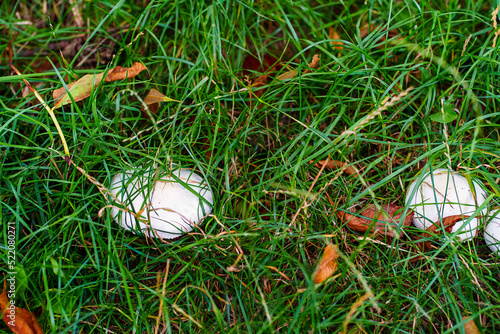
171	203
492	232
446	193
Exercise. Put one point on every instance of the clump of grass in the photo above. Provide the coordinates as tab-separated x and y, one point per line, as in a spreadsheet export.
80	273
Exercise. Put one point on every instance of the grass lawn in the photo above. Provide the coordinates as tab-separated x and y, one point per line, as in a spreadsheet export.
400	86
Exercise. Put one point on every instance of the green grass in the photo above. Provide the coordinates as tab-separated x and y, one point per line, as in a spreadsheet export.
80	273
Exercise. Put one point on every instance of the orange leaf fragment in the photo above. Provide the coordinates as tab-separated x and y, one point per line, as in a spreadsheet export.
334	35
19	320
153	99
470	327
120	73
327	265
314	61
334	164
386	221
154	96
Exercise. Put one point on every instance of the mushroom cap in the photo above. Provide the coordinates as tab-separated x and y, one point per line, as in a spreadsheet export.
492	232
445	193
171	205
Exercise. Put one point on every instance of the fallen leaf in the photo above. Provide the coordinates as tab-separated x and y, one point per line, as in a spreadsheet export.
287	75
19	320
334	35
314	61
120	73
155	96
334	164
82	88
252	67
153	100
494	16
470	327
386	221
327	265
448	223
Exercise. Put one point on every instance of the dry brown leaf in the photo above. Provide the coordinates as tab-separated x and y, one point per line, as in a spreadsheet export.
448	223
251	65
287	75
155	96
82	88
327	265
386	221
470	327
153	100
494	16
314	61
120	73
334	35
334	164
19	320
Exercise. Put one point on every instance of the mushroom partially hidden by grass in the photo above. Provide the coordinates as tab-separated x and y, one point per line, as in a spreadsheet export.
163	204
445	193
492	232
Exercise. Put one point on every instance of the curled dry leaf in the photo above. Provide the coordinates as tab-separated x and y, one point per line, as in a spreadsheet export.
334	35
327	265
384	222
314	61
19	320
448	223
120	73
82	88
334	164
